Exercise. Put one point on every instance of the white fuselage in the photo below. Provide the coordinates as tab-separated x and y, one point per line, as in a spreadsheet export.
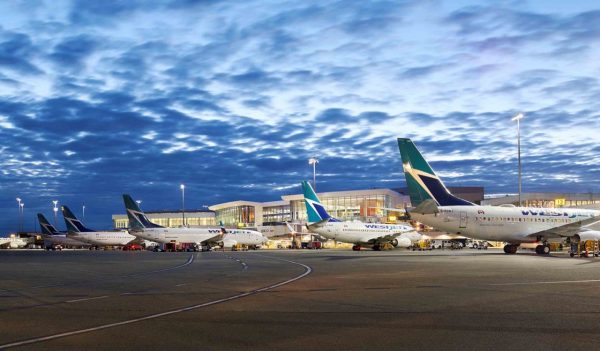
178	235
105	238
368	233
497	223
243	237
64	240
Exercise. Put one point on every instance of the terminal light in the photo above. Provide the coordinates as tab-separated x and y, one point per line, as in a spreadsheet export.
518	116
313	161
182	187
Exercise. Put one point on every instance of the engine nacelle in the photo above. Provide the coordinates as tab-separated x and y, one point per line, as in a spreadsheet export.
401	242
228	243
588	235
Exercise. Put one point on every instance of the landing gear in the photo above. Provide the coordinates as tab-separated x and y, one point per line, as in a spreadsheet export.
542	249
511	249
376	247
356	248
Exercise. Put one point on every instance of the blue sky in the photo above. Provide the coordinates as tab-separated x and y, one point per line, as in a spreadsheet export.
232	97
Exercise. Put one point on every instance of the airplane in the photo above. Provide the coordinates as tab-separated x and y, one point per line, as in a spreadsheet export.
435	206
76	230
142	227
355	232
250	238
50	234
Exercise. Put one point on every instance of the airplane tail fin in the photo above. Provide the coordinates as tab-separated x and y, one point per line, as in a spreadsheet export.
73	224
315	210
47	228
137	218
423	184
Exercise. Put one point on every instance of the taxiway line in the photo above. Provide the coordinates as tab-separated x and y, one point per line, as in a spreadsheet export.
307	271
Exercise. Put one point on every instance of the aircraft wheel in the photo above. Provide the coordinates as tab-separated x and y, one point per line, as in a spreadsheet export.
511	249
376	248
546	250
356	248
539	249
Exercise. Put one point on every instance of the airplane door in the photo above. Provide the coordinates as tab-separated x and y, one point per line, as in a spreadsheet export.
463	220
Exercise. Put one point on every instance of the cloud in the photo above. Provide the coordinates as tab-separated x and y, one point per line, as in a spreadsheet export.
232	98
15	51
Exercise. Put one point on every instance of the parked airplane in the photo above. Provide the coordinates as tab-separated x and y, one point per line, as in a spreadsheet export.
356	232
54	237
142	227
437	207
232	237
76	230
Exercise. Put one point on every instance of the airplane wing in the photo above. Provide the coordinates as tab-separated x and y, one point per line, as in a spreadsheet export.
569	229
382	239
390	209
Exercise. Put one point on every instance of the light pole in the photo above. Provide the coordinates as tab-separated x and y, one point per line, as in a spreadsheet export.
55	202
182	187
313	161
518	117
19	208
22	205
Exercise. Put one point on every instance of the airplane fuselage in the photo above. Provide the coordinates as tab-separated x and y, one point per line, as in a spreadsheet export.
368	233
63	239
178	235
103	238
508	224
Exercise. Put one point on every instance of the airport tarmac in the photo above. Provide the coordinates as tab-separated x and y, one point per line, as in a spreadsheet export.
329	299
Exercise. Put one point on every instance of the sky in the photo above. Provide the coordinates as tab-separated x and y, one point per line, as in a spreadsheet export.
231	98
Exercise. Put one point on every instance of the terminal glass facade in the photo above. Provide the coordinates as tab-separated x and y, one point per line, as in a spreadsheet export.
240	216
274	215
171	220
367	208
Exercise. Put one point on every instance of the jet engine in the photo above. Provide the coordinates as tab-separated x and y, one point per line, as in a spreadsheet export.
228	243
589	235
401	242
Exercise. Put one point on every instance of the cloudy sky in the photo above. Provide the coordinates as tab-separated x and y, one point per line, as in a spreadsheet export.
100	98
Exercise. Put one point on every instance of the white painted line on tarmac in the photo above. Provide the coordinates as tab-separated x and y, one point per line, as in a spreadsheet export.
88	299
306	272
550	282
181	284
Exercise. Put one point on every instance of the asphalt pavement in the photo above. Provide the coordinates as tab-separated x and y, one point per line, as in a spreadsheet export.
298	300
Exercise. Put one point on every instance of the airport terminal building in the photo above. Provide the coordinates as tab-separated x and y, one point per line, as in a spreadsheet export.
549	200
371	205
193	218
